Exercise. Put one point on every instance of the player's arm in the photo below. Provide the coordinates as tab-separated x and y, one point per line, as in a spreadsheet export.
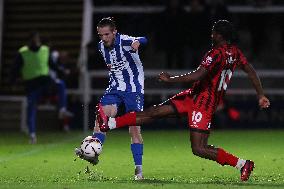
141	40
134	42
190	77
137	42
252	75
196	75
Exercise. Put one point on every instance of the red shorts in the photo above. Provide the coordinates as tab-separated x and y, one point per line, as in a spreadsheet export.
198	119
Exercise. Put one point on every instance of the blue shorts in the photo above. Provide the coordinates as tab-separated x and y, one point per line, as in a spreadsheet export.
131	101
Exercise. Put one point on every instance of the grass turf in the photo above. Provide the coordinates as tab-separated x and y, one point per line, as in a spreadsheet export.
167	163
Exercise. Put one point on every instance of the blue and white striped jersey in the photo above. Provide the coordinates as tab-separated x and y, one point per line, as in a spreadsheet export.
125	67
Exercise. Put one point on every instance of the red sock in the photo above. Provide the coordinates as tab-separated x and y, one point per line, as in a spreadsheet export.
128	119
225	158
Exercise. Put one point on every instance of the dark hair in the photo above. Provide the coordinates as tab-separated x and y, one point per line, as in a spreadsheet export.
109	21
226	29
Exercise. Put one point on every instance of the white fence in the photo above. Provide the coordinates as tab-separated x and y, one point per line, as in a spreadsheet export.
158	9
88	91
263	74
23	101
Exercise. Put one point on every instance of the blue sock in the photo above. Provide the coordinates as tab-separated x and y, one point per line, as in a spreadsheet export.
137	152
100	136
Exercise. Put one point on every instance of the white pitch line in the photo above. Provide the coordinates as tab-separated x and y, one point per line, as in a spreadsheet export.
34	151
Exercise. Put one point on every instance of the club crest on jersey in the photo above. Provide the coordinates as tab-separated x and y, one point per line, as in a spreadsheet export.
118	66
230	59
208	60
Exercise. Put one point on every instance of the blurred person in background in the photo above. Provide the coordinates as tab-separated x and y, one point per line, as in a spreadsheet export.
33	62
126	84
59	59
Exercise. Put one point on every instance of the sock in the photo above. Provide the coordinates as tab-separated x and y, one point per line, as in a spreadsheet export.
225	158
100	136
240	164
137	152
126	120
138	169
33	135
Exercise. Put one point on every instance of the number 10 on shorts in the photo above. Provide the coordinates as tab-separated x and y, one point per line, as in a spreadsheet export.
196	117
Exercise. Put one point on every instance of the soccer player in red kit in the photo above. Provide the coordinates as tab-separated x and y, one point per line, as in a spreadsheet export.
210	81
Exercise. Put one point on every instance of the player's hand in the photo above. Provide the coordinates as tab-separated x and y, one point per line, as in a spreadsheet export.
135	45
164	76
263	102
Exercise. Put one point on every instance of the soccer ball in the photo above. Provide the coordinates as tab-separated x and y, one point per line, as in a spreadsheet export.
91	146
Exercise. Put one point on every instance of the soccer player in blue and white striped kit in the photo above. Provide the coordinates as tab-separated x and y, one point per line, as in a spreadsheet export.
126	83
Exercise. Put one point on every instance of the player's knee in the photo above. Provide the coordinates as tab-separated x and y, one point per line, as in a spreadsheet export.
137	139
134	131
135	134
110	110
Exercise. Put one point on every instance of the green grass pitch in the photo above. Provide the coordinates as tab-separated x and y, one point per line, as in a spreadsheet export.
168	161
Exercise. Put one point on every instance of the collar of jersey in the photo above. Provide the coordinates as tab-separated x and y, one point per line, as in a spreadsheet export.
117	39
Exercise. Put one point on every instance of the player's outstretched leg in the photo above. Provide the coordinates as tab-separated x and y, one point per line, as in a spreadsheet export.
200	147
134	118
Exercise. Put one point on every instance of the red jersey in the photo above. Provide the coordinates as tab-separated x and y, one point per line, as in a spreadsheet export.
220	63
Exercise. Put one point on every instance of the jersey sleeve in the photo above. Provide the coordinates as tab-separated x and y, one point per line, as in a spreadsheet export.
209	59
128	40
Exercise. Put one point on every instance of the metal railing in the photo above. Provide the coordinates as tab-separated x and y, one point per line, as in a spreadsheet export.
159	8
263	74
23	101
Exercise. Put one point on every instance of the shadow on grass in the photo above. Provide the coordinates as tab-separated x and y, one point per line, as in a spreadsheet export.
215	182
271	181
